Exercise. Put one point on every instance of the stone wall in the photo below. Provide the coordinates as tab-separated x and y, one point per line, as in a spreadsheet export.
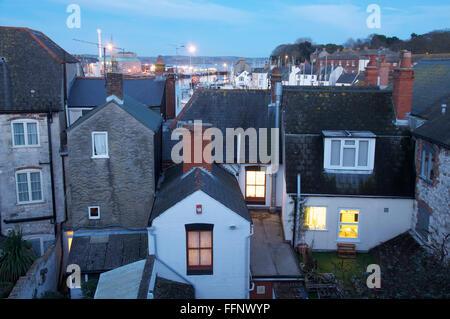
435	196
122	185
13	159
41	277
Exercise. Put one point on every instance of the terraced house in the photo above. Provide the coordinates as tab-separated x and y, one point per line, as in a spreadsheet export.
34	72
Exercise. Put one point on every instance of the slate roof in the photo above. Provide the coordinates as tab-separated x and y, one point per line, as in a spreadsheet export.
132	281
103	252
90	92
219	184
436	130
139	111
308	111
223	109
31	76
431	87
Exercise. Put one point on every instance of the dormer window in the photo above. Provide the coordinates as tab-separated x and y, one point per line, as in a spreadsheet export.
349	151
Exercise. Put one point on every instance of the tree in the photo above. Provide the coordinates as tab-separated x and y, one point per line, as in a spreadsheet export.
17	257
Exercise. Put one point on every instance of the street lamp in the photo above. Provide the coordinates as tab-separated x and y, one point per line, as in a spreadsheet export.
191	49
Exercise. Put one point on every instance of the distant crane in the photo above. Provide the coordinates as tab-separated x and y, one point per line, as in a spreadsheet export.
96	44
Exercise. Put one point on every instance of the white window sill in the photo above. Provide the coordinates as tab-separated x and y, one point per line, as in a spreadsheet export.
94	218
31	202
348	171
96	157
26	146
317	230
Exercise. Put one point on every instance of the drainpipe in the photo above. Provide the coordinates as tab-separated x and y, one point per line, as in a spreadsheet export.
50	154
278	92
247	260
297	211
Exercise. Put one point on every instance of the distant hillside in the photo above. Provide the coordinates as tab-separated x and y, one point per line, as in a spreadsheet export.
435	42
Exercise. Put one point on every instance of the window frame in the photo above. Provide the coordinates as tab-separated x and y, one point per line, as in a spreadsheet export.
30	194
317	229
89	213
339	223
370	154
25	132
255	200
93	143
431	160
199	269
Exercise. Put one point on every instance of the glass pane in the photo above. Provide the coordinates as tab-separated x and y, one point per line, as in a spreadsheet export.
35	186
205	257
193	239
316	217
348	231
19	136
94	211
32	133
22	186
349	216
99	144
349	157
205	239
193	257
251	177
251	191
363	153
260	178
259	191
335	153
349	142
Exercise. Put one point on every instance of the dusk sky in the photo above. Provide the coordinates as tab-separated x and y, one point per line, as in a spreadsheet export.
247	28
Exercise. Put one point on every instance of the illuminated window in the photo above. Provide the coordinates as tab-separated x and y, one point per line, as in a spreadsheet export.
255	184
348	223
316	217
199	247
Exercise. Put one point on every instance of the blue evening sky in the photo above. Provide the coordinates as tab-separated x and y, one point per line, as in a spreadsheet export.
248	28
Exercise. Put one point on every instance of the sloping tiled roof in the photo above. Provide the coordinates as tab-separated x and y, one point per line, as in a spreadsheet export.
31	76
436	130
139	111
223	109
348	78
309	111
219	184
89	92
431	86
103	252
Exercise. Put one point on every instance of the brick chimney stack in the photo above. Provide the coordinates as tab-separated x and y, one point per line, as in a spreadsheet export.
372	71
384	73
274	78
114	85
403	86
194	143
170	94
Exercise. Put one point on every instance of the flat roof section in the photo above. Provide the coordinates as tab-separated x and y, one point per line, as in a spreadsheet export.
270	255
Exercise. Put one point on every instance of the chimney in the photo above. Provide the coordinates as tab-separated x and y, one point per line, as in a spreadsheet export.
384	73
160	67
372	72
403	86
274	78
170	95
114	86
194	143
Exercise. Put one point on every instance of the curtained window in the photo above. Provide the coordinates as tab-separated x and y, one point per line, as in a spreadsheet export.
100	144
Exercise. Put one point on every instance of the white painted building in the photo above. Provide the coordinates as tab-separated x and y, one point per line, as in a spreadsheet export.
243	80
201	227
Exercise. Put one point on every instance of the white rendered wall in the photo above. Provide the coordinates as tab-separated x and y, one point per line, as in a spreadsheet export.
231	248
